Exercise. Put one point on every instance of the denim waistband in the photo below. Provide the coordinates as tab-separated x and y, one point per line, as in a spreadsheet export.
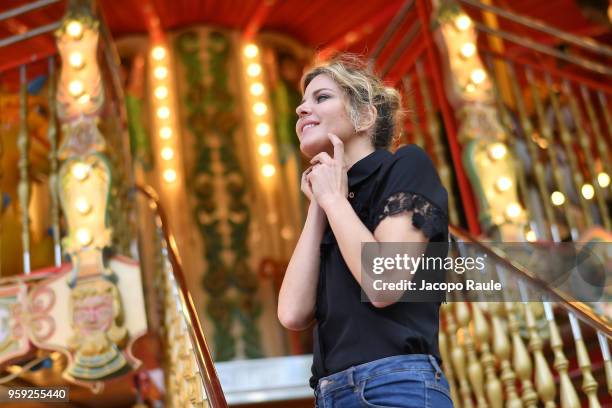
354	375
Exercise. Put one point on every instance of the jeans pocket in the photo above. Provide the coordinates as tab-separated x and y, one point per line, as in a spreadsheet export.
438	394
401	389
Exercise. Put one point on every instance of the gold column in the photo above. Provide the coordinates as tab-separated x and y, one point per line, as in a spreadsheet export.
23	188
501	348
605	351
520	358
462	312
481	330
567	393
589	385
447	364
53	164
458	356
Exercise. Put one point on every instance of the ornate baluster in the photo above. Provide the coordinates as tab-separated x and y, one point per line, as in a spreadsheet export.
600	141
501	348
538	169
520	358
433	126
413	115
493	385
602	147
552	157
589	385
53	187
447	363
586	147
23	188
544	382
462	313
458	357
568	396
605	351
566	140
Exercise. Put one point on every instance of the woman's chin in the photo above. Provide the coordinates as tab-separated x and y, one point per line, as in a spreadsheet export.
311	148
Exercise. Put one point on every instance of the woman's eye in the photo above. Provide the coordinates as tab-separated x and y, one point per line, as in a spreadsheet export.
321	98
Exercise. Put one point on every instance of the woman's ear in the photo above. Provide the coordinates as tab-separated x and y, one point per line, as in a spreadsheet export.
368	119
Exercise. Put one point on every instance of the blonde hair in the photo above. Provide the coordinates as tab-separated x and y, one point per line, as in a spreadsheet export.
363	90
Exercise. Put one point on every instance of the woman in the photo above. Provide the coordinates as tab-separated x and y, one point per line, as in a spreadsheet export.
381	352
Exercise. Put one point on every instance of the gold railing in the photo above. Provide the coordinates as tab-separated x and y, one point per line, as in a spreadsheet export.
190	375
506	341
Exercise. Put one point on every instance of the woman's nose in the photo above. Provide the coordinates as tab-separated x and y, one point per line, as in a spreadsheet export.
303	110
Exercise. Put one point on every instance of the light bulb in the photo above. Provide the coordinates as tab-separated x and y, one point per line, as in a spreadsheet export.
257	89
160	72
503	183
74	29
478	76
497	151
254	69
530	236
83	236
80	171
163	112
603	179
170	176
165	132
76	60
557	198
587	191
262	129
513	210
82	205
260	108
463	22
265	149
76	88
268	170
251	51
167	153
161	92
158	53
468	50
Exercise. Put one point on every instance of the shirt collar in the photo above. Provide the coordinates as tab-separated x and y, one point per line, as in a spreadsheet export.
363	168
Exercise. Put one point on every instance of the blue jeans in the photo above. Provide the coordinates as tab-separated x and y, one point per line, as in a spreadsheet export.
406	381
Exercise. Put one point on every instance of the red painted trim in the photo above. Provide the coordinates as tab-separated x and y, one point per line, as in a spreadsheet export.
152	21
361	30
29	59
465	189
257	19
589	83
407	62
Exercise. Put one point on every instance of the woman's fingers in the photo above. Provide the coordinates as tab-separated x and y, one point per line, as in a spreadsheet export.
338	149
322	158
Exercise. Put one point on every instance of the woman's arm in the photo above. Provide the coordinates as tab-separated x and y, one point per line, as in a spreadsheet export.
297	297
350	233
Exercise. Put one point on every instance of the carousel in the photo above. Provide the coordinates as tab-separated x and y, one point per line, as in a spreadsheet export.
150	192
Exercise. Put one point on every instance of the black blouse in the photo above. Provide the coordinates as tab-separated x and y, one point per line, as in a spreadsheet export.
348	331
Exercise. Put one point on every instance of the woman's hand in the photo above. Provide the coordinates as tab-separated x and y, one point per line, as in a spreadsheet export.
328	179
305	185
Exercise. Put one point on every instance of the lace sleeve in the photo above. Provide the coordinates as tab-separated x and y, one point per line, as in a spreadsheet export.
425	216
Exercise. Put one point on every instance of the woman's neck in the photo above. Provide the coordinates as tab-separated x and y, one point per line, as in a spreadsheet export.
356	148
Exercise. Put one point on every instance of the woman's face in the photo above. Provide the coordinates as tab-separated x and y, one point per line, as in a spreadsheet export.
322	111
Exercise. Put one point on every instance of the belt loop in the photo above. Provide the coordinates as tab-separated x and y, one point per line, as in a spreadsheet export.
436	366
351	376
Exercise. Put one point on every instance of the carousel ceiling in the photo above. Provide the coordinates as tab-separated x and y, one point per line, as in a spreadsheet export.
316	23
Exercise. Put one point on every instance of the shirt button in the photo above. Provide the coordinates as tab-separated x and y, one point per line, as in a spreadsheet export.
351	194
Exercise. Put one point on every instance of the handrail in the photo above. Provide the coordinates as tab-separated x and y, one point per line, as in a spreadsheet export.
583	311
212	385
538	25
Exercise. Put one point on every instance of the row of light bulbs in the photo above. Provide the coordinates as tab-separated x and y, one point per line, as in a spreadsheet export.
467	51
80	171
163	113
76	88
259	108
